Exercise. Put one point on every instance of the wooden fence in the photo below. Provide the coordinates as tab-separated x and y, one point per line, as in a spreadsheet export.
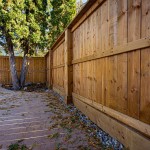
101	63
36	71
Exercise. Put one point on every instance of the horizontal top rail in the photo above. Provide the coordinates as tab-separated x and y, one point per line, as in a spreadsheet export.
138	44
61	41
58	40
58	66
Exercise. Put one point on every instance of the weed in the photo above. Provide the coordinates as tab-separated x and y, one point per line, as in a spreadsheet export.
17	146
55	135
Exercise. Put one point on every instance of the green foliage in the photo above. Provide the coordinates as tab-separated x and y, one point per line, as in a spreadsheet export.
12	20
37	13
17	146
25	22
62	13
34	24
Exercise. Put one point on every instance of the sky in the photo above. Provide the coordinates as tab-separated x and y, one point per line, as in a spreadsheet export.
83	1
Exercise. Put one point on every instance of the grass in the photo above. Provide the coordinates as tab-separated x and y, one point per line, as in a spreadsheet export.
17	146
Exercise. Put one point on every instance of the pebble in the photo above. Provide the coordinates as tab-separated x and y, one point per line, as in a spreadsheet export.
104	137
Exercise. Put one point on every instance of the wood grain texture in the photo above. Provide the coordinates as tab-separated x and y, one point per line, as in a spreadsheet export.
68	68
107	50
110	65
129	121
58	64
129	47
134	60
36	69
145	65
145	86
131	139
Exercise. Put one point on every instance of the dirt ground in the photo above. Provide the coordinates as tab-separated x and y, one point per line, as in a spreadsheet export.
38	121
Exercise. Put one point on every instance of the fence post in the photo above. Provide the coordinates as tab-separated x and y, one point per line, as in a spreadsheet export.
68	70
49	65
51	68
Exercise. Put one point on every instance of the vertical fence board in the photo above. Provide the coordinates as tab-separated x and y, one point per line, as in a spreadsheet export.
134	33
145	65
36	70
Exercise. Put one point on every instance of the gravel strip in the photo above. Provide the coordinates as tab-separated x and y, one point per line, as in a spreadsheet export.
105	138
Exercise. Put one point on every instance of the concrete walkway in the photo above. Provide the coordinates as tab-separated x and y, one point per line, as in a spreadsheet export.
38	120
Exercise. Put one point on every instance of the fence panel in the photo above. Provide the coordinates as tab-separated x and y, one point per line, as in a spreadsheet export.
110	53
36	70
58	66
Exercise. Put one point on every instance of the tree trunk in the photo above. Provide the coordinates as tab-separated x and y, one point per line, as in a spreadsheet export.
14	76
24	70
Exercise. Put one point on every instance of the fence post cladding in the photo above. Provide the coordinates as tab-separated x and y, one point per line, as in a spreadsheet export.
68	80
